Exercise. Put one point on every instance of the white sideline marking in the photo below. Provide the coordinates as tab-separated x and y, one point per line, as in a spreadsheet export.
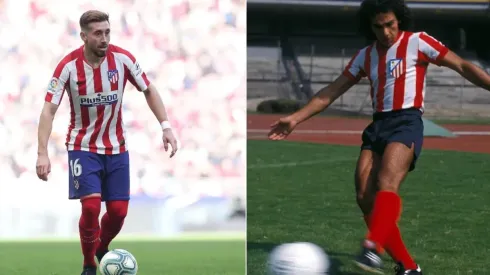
472	133
354	132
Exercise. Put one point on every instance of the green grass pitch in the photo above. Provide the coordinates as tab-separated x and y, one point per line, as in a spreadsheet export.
189	257
305	192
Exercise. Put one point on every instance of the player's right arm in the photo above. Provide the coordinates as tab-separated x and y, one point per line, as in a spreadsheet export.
324	98
52	100
45	127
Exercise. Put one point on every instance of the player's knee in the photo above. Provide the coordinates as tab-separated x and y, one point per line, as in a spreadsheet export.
117	209
387	183
118	214
91	207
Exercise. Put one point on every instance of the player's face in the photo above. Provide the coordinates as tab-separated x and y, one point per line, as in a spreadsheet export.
97	38
385	27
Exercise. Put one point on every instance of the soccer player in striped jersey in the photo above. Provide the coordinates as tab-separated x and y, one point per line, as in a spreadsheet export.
94	77
395	63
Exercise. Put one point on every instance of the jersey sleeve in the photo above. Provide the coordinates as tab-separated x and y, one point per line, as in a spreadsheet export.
432	49
57	84
137	76
355	69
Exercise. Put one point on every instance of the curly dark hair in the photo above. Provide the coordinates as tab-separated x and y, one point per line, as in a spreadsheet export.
370	8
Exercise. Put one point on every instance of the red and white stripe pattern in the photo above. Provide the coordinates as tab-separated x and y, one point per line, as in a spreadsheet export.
397	74
96	123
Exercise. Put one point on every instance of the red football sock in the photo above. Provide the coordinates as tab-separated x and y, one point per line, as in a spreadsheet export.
398	251
112	222
396	248
384	216
89	229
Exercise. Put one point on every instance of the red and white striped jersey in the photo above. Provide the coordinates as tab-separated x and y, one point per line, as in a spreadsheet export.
397	74
95	95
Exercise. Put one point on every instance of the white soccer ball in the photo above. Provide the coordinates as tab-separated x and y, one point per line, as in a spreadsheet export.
118	262
300	258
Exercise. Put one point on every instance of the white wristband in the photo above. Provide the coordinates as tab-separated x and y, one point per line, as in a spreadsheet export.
165	125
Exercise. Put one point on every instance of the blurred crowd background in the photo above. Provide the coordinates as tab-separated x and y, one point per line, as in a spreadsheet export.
194	53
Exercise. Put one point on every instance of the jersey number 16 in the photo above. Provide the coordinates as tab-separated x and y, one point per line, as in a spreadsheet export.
75	168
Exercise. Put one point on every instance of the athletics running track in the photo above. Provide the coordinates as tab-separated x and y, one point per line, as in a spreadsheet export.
470	138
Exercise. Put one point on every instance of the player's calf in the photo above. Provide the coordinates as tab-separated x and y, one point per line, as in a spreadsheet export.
365	201
365	179
112	223
89	229
100	254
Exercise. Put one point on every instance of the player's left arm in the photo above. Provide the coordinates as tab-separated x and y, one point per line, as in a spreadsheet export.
155	103
437	53
140	81
467	69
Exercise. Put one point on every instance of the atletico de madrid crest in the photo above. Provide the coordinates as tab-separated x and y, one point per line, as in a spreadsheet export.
396	67
113	76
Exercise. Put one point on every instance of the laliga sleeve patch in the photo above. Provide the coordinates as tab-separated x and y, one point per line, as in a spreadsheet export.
53	84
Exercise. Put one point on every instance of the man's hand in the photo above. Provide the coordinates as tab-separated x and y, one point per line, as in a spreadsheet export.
43	167
168	137
282	128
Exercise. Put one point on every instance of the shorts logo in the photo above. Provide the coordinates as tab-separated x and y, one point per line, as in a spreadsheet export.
77	185
113	76
396	67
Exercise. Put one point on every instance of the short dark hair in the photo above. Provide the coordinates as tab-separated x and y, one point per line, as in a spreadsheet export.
370	8
92	16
